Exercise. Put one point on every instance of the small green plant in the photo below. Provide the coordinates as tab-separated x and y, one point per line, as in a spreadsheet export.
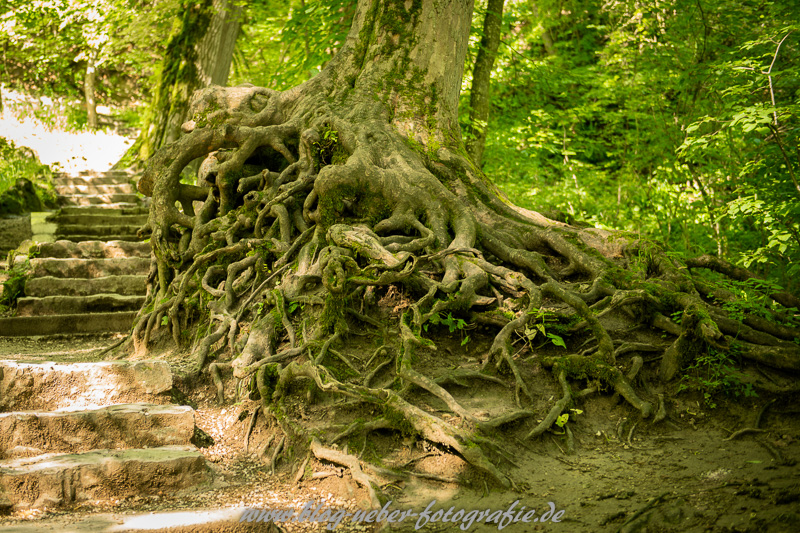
713	373
14	285
329	150
453	324
541	327
562	419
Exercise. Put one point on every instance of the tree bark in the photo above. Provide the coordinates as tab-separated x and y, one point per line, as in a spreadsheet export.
479	102
547	36
199	53
89	92
215	50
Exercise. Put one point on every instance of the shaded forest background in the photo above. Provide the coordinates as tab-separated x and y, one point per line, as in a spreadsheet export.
672	119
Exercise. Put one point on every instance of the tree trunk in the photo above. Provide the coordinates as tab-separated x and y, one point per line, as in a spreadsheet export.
547	36
479	101
352	198
89	92
215	50
199	53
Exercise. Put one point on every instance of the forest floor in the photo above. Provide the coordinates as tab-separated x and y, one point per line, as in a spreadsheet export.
624	475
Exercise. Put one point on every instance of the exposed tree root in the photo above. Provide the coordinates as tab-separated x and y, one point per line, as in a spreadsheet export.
352	463
310	207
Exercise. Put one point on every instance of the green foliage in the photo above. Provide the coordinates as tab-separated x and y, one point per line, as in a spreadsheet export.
21	163
328	149
673	119
284	43
562	419
541	327
713	373
452	323
14	285
48	44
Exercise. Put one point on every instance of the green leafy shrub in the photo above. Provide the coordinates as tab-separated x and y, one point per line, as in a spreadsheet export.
21	163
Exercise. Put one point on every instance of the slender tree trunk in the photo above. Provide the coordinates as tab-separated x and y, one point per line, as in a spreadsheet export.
88	92
481	80
215	51
547	37
199	54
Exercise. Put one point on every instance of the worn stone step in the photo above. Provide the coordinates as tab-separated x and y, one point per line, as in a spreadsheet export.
97	230
70	305
122	209
49	386
96	180
51	286
94	188
93	249
110	237
112	218
98	199
50	480
89	268
26	326
97	173
135	425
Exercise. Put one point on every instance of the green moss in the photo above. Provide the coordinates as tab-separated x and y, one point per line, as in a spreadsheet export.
333	314
593	370
349	204
398	420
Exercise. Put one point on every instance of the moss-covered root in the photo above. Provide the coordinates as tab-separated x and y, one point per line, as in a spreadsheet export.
557	408
350	461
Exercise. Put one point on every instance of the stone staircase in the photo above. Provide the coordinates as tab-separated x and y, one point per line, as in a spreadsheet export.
99	206
93	278
79	432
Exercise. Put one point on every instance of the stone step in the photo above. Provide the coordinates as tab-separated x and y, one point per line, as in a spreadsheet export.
89	268
51	286
97	173
94	249
96	180
59	480
136	425
188	521
70	305
49	386
121	209
96	231
27	326
110	237
111	218
97	199
94	188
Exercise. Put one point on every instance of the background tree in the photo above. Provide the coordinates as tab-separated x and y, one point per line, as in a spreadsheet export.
285	43
479	100
82	50
199	52
350	200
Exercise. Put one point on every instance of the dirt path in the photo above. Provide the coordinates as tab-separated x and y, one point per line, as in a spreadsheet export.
682	475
